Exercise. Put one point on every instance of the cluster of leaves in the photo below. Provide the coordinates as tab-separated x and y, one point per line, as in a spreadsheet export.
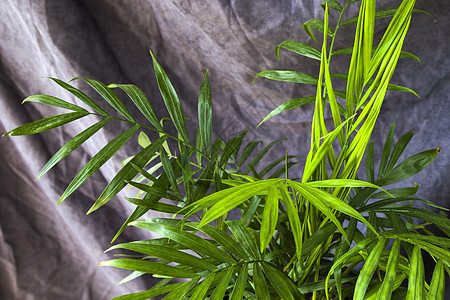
287	238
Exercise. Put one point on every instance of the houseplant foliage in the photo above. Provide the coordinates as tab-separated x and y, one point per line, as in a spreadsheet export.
288	236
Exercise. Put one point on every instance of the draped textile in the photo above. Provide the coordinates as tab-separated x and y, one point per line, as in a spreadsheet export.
49	252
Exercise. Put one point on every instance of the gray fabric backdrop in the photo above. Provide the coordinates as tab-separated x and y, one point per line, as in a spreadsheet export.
52	253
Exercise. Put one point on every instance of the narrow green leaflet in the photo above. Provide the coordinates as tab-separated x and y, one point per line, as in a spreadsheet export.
291	104
386	151
294	219
239	286
409	167
148	267
171	100
190	240
288	76
260	283
50	100
380	13
205	114
110	97
141	101
248	150
269	217
167	252
281	283
202	288
98	160
169	171
333	4
221	288
299	48
349	50
387	286
261	154
155	206
153	292
80	95
128	172
245	238
437	285
46	124
397	151
416	275
221	237
71	145
317	25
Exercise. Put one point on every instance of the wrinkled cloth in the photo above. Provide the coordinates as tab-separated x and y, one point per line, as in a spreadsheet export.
49	252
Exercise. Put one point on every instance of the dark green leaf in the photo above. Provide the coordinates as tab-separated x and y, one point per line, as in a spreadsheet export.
98	160
291	104
128	172
149	267
380	13
153	292
205	114
71	145
287	76
317	25
261	286
221	237
416	275
245	238
169	171
299	48
333	4
386	151
387	286
168	253
50	100
269	218
248	150
80	95
409	167
261	154
281	283
239	286
171	100
110	97
46	124
437	285
190	240
221	288
141	101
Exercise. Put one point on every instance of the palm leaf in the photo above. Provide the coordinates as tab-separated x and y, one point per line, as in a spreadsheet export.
45	124
71	145
98	160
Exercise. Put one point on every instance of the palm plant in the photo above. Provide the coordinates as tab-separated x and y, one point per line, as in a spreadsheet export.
267	234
